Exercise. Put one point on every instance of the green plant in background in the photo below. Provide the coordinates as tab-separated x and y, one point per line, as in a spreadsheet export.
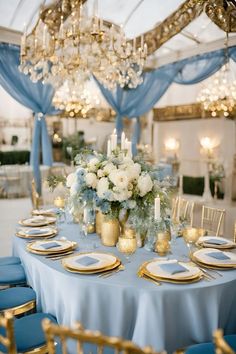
72	145
55	180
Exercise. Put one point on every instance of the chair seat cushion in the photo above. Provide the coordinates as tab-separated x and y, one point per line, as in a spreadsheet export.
14	297
12	274
28	332
209	348
9	260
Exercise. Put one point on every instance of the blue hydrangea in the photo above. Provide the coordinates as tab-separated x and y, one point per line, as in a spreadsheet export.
105	207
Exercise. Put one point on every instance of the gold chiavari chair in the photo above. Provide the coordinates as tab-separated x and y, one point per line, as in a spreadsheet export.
212	219
8	340
221	346
183	210
99	342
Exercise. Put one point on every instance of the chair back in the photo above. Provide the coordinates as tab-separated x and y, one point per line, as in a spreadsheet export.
221	347
81	337
182	209
6	321
212	219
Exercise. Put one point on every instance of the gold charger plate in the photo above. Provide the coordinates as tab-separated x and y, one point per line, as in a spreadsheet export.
43	212
51	233
212	264
44	222
166	280
50	251
88	272
183	280
104	263
202	242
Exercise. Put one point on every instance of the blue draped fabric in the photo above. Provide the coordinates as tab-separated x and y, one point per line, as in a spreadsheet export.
35	96
132	103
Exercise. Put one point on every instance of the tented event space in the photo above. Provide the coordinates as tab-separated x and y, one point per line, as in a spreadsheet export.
118	176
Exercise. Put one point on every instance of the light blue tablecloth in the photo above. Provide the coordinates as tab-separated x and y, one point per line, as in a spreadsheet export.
167	316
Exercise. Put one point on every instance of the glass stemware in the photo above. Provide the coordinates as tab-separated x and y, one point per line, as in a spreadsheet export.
191	236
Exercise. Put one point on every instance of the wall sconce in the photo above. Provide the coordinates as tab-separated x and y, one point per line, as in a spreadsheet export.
208	145
171	145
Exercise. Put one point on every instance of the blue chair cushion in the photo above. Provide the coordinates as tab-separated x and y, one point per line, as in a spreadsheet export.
28	332
13	297
12	274
9	260
208	348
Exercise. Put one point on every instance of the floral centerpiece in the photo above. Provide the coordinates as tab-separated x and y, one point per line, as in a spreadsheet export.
119	186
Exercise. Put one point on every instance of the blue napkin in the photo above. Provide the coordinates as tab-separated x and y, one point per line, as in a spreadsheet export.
50	245
34	232
87	261
173	268
216	242
218	255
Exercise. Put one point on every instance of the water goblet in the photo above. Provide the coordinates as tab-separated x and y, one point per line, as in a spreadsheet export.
191	236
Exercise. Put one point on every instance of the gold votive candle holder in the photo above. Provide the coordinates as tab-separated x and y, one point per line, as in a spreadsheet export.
110	232
59	202
127	245
162	247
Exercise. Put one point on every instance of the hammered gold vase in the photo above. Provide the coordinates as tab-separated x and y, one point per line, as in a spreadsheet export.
110	232
162	244
99	221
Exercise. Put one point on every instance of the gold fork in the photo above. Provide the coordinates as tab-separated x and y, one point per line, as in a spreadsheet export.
142	275
111	272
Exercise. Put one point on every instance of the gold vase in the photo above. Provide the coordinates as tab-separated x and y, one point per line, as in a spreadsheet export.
162	244
99	221
110	232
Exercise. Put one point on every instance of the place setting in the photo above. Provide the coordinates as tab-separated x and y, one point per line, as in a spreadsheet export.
87	263
56	248
37	221
51	212
215	242
170	271
37	233
214	258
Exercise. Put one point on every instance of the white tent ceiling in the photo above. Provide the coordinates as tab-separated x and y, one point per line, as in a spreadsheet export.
137	16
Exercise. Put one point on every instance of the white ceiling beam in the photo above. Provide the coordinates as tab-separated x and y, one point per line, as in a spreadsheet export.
156	62
10	36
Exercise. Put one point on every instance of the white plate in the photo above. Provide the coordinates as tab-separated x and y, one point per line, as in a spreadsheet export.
38	220
203	240
202	256
38	246
155	269
104	260
34	232
44	212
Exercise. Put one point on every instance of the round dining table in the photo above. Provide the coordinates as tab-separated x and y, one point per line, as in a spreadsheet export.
168	316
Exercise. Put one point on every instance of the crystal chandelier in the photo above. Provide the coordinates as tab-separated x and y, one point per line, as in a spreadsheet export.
219	95
75	99
81	45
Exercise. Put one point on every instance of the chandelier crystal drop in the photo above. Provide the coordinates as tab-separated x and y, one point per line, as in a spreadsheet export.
219	96
81	45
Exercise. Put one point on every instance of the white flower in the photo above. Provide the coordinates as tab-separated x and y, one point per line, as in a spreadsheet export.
145	184
134	171
102	187
100	173
119	178
91	180
92	165
108	168
71	178
121	194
